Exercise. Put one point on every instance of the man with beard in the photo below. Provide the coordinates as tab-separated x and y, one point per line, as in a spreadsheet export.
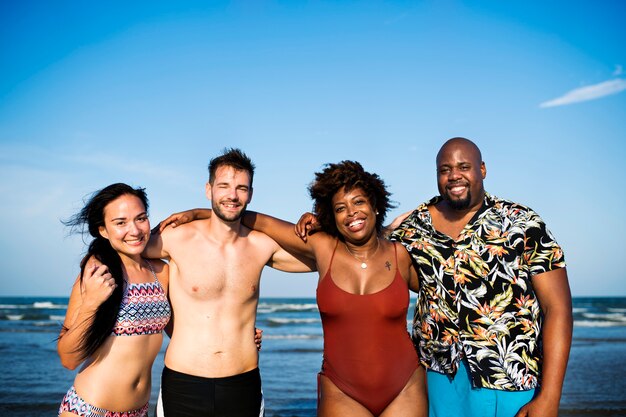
493	320
211	363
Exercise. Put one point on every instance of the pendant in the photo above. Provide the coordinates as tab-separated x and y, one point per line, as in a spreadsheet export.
363	265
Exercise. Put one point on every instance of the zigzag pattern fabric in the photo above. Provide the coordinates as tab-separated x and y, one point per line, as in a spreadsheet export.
74	403
144	310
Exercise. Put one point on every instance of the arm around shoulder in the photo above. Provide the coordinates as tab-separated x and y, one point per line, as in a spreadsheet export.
280	231
182	217
291	254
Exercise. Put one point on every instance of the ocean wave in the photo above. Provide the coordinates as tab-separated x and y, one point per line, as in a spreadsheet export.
43	304
292	336
36	305
272	308
606	316
46	324
28	316
616	310
13	306
576	310
281	320
597	323
57	318
296	350
49	304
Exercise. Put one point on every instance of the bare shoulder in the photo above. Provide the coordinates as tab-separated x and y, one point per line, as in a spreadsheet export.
184	229
319	240
181	236
404	258
91	262
259	239
406	266
162	272
159	266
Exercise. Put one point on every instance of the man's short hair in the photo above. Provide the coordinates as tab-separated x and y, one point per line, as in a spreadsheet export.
232	157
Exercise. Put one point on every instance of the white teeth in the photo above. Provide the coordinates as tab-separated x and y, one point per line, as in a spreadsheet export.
457	189
356	223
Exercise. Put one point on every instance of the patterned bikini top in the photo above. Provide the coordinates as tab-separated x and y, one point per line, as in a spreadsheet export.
144	309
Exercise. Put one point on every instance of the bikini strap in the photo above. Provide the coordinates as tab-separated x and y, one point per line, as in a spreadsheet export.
151	269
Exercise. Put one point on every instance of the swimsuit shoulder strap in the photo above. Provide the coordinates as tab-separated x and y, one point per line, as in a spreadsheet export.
152	270
331	259
333	255
395	250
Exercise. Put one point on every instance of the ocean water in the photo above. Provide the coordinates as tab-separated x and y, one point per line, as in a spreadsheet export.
33	382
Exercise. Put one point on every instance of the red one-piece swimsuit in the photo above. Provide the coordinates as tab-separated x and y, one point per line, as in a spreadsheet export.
368	353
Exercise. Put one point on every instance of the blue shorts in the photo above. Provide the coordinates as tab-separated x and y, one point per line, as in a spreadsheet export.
457	398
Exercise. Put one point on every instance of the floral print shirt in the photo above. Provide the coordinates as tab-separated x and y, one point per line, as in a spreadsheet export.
476	299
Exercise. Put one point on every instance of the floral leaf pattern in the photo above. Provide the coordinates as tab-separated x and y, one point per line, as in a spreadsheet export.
476	299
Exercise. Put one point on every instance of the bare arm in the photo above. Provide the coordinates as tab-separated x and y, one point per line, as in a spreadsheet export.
286	261
554	296
279	230
408	268
155	247
162	271
182	217
395	223
292	254
86	297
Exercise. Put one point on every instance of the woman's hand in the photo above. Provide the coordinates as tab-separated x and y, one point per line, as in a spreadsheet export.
97	286
307	225
258	338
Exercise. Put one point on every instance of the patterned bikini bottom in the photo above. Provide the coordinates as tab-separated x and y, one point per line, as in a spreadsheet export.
74	403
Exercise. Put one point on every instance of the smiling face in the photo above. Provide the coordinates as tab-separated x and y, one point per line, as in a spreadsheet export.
126	225
355	217
460	174
229	193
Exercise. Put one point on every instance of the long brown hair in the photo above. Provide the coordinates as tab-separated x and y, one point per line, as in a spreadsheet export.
91	217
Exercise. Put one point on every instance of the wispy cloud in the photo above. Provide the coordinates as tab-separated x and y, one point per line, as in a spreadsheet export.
590	92
121	163
47	159
396	19
618	70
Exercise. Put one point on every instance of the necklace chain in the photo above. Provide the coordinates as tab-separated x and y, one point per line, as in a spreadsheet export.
363	261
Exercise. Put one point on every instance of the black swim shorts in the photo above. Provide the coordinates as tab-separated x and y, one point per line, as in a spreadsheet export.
194	396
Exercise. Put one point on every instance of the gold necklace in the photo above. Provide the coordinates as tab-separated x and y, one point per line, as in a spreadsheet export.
363	261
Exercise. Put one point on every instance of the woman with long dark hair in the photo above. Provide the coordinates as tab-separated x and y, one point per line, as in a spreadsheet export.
117	310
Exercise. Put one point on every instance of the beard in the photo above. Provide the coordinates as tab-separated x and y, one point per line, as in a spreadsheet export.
460	204
230	217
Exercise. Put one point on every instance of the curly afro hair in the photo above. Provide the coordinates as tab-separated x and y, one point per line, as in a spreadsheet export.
348	175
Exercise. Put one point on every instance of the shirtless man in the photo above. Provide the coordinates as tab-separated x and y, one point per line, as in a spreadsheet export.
211	363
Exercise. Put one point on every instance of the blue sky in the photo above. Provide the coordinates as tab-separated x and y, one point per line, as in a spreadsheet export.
147	92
